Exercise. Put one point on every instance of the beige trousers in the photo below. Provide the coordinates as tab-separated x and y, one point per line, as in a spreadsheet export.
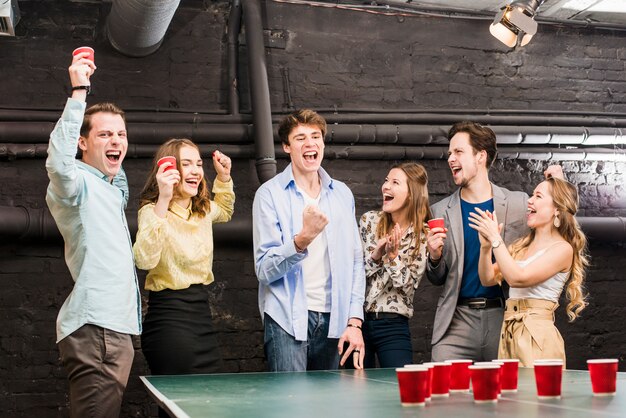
98	363
528	332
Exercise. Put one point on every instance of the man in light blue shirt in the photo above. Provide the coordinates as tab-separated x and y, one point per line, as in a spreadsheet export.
87	200
308	258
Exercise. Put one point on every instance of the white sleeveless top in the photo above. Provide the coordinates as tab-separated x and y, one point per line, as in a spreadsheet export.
549	290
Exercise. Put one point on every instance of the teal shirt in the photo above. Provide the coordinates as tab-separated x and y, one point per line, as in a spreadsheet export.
89	212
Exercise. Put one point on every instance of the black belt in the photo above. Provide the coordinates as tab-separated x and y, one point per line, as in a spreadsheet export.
482	303
382	315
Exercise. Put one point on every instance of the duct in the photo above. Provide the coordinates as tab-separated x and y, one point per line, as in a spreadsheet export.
137	27
234	27
259	91
344	133
349	152
25	223
29	224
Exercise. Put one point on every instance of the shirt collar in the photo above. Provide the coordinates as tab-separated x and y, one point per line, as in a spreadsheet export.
93	170
286	178
184	213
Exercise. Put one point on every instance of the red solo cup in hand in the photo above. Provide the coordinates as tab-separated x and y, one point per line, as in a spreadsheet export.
485	382
603	373
436	223
441	380
509	372
167	159
91	55
459	375
412	384
548	376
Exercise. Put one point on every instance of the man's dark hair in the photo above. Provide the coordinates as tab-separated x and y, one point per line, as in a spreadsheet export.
482	138
300	117
99	108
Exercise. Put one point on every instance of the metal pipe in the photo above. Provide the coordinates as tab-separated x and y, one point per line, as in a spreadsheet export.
26	223
351	152
259	91
234	27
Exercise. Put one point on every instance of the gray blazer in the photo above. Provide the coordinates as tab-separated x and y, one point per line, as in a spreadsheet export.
511	211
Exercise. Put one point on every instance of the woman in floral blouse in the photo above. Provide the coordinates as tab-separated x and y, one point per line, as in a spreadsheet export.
394	242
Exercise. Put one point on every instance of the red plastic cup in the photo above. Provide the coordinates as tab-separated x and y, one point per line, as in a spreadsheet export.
603	373
91	55
459	375
509	372
436	223
441	380
429	379
412	384
548	376
167	159
485	382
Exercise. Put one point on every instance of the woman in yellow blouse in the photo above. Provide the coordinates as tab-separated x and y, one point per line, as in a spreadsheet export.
175	243
394	242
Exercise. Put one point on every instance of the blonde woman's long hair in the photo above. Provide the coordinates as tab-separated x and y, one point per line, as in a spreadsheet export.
417	201
200	203
565	198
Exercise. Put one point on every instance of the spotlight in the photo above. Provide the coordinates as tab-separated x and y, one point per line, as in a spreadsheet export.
515	23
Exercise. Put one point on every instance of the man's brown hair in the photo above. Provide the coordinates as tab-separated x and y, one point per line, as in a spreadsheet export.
300	117
99	108
482	138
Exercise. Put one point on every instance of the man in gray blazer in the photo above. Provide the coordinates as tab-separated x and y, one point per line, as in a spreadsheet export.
469	315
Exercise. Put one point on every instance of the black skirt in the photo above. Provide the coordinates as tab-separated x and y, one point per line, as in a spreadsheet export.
178	335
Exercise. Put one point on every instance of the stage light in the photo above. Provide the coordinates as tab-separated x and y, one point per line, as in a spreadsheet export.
515	22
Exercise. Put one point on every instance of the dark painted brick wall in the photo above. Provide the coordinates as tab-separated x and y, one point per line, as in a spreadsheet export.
332	58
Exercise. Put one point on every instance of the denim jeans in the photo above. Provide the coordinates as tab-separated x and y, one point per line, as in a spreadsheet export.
388	339
284	353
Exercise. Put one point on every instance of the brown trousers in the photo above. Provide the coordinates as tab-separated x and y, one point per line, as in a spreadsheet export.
98	363
528	332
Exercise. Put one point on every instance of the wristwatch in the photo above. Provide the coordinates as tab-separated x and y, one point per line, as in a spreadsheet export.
496	243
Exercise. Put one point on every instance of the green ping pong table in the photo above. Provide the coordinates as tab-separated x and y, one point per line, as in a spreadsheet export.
369	393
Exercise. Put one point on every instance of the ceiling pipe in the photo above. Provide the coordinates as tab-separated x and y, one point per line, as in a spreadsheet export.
374	152
137	27
234	28
259	91
25	223
382	118
344	133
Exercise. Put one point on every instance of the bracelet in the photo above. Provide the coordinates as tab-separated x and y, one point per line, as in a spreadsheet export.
86	88
354	326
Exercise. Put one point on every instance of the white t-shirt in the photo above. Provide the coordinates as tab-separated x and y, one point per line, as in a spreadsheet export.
316	268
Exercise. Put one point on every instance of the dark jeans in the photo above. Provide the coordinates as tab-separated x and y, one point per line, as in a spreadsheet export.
388	339
285	354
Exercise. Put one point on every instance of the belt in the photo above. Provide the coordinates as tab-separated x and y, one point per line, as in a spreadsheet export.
382	315
481	303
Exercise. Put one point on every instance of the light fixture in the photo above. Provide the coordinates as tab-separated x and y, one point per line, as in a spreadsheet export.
515	22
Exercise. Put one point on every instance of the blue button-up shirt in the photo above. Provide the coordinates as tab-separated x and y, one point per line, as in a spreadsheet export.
277	217
89	212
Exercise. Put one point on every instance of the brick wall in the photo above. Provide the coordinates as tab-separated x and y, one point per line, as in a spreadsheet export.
333	58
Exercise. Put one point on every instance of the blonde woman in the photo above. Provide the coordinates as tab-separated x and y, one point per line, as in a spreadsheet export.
552	257
394	243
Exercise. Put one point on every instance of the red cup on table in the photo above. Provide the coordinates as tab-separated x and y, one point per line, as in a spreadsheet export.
168	159
509	373
412	383
548	376
485	382
459	375
603	373
441	380
429	378
91	55
436	223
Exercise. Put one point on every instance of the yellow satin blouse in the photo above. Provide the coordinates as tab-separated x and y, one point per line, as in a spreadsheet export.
178	249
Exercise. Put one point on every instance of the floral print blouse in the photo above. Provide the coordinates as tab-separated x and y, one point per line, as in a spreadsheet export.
390	287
